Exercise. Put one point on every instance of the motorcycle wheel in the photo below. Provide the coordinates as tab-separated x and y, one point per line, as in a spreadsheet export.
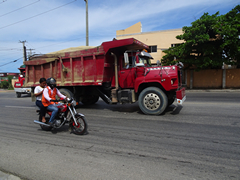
81	127
45	128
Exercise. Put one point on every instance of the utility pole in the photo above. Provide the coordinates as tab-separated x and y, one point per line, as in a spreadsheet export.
24	51
30	53
86	22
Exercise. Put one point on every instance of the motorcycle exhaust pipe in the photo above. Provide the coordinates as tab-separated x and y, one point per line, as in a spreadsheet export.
41	123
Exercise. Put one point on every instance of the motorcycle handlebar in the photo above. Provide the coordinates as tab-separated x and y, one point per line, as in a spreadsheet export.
54	100
68	100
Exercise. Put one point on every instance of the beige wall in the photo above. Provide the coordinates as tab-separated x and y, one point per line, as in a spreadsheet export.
13	82
163	39
208	78
136	28
232	78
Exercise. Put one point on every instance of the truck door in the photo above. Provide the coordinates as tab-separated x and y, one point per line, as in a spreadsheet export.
127	73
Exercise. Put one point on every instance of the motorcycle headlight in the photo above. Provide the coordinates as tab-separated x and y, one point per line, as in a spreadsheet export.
74	103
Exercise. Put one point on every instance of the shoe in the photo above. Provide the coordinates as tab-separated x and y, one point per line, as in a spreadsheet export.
50	123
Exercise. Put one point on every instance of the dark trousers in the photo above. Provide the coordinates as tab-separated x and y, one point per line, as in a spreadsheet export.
42	108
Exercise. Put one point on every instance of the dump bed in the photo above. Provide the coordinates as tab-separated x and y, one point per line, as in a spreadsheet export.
79	67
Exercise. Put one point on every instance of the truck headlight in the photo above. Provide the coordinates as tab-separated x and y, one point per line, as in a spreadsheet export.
173	81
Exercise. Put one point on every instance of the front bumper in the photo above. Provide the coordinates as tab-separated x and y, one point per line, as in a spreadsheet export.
23	90
181	95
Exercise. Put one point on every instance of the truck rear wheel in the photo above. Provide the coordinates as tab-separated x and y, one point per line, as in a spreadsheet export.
92	99
153	101
66	92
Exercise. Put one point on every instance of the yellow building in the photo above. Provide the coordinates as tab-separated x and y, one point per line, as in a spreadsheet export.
156	40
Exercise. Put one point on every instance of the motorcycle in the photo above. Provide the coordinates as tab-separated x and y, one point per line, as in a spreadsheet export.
66	114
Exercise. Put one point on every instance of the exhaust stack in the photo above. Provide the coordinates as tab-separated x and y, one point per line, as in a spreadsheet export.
41	123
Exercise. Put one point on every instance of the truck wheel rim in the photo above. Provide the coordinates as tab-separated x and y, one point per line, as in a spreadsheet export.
152	101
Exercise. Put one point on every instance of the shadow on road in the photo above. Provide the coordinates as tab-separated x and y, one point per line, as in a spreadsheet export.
63	129
25	95
127	108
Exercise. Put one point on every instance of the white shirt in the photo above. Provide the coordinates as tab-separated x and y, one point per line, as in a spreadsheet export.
37	90
46	95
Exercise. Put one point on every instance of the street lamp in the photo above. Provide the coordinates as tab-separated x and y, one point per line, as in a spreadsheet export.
86	22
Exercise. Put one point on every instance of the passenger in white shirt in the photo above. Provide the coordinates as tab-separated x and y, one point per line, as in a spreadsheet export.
38	93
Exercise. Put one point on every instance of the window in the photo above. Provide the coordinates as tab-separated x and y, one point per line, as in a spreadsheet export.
153	48
145	60
173	45
132	61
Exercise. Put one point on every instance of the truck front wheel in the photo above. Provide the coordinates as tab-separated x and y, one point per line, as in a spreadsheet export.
152	101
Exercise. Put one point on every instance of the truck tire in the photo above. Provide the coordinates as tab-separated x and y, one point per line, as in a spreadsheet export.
152	101
66	92
18	94
89	100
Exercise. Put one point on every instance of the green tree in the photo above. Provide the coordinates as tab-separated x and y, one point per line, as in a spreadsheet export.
228	27
211	41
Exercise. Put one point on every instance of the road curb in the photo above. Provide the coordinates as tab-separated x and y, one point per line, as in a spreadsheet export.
212	90
6	90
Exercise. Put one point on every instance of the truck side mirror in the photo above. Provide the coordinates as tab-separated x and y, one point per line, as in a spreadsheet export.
126	60
158	63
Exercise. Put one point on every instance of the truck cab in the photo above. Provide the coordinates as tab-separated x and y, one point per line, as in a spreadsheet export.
132	64
136	74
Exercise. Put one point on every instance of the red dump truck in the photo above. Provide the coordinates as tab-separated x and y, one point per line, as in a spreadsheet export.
118	71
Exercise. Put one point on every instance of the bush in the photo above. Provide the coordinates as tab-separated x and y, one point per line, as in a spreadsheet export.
10	87
7	84
4	84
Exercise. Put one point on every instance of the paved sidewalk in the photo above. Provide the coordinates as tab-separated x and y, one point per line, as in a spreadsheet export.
6	90
212	90
6	176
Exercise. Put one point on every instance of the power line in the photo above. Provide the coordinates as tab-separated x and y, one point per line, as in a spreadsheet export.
38	14
11	62
18	9
11	49
33	47
74	40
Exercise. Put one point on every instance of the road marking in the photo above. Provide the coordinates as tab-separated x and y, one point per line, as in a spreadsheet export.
23	107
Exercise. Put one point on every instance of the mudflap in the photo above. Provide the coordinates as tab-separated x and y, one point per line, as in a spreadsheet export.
181	96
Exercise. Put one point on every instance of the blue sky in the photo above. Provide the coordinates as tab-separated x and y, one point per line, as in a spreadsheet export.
51	25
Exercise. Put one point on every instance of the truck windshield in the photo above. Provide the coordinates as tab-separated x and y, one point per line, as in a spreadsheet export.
145	60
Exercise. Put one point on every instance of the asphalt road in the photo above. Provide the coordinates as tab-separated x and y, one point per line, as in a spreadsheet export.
200	140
